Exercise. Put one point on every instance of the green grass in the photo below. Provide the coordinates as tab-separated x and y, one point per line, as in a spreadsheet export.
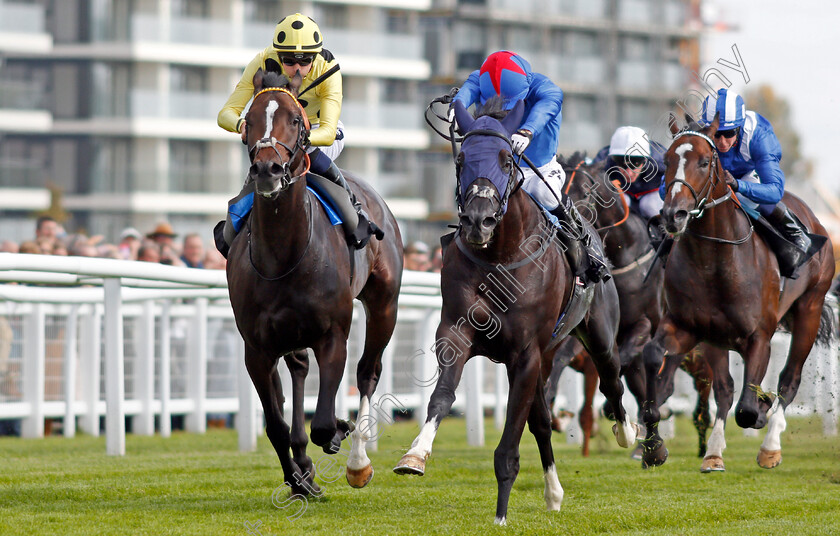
201	484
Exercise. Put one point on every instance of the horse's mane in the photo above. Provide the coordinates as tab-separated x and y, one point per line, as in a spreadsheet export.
274	79
576	158
494	107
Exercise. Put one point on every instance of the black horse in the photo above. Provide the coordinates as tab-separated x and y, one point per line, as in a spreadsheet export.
292	287
597	193
723	286
505	284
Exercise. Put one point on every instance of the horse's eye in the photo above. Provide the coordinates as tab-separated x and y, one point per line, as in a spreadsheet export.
703	163
296	121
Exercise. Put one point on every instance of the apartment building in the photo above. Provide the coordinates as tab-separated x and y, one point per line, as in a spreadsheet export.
114	102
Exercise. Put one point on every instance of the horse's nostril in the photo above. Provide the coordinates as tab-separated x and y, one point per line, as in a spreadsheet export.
464	221
488	222
680	215
276	168
254	170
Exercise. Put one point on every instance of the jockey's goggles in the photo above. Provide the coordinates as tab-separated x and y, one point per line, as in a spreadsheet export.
726	133
303	61
627	162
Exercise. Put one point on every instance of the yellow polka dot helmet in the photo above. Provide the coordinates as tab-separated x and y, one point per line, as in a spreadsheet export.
297	35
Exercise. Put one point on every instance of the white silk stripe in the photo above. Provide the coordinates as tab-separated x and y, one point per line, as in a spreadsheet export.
711	108
731	108
269	118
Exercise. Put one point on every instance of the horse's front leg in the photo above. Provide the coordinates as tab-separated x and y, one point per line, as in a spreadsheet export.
696	364
523	377
452	355
724	388
662	356
331	353
298	365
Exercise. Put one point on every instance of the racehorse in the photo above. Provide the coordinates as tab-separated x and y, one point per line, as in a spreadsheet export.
597	194
292	285
722	285
504	286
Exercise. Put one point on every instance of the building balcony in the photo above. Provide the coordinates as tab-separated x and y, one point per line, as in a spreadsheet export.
177	104
22	28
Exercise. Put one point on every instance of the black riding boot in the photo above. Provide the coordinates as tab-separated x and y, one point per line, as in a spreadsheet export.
786	224
585	260
360	236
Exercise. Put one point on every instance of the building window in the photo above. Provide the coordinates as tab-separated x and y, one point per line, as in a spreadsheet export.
396	90
190	8
187	166
263	11
188	79
398	22
110	95
110	170
23	164
331	16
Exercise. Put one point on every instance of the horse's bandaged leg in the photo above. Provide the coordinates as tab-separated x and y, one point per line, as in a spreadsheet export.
359	470
770	454
625	433
713	461
553	489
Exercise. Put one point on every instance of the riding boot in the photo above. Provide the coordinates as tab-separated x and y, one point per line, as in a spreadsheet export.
360	236
586	261
790	258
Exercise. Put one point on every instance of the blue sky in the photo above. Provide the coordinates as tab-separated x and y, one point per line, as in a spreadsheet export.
792	46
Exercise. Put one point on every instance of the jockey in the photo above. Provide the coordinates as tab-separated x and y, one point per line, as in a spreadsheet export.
509	75
298	50
636	162
749	153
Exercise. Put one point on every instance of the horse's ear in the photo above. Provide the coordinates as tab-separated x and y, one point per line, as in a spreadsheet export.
258	81
672	124
513	119
294	83
462	117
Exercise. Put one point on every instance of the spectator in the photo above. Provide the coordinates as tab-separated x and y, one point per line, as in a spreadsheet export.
214	260
169	256
130	241
30	246
47	228
59	249
81	246
9	246
163	235
193	256
149	253
416	257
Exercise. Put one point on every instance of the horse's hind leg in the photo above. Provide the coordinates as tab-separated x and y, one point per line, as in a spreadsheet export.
539	422
724	386
381	319
298	365
597	333
587	414
263	372
806	312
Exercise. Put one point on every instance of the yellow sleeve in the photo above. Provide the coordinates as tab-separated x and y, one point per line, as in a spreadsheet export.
229	115
329	92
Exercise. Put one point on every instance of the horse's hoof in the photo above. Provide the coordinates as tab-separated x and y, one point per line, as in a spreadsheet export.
625	434
653	456
411	465
769	459
712	464
359	478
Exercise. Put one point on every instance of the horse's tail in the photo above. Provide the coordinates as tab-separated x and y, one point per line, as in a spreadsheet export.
827	333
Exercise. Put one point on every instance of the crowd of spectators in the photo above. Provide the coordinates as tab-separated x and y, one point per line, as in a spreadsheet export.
160	245
419	257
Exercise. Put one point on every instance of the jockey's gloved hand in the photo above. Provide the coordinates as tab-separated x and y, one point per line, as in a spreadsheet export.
730	181
450	115
520	141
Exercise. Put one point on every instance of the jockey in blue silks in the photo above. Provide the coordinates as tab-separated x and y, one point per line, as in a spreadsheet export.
636	162
750	152
510	76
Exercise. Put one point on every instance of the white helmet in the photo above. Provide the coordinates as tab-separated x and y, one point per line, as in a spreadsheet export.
629	141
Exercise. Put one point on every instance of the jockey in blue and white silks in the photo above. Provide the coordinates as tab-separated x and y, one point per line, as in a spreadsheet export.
509	75
750	152
636	162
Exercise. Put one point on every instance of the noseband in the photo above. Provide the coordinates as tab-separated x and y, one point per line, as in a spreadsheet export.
301	143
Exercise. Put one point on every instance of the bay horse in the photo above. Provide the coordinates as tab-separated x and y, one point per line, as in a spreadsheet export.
292	288
722	286
597	193
504	286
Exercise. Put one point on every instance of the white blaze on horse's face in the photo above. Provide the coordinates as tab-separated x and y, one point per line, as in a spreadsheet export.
681	150
269	118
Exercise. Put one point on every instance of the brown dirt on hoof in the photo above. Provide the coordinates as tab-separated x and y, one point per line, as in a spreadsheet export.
359	478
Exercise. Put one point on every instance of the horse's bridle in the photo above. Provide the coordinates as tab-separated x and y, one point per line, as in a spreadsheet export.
301	143
701	204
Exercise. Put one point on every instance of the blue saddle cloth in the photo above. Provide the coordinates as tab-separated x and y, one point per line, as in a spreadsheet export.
239	211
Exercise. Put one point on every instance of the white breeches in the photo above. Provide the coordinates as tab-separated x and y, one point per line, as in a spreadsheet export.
554	176
337	146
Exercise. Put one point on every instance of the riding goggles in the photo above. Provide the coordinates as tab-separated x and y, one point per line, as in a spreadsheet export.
726	133
293	60
627	162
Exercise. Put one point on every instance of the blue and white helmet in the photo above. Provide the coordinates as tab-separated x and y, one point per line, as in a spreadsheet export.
729	105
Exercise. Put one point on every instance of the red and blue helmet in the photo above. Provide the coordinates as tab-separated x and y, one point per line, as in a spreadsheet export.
507	74
729	105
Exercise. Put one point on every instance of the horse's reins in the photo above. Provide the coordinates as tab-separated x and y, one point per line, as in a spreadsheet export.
701	204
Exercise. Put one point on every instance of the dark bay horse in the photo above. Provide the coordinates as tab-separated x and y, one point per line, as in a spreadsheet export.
596	191
722	286
505	284
292	288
